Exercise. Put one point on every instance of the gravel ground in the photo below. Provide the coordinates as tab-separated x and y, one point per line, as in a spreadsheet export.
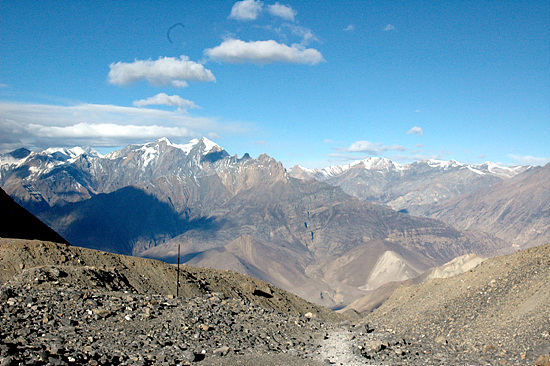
497	314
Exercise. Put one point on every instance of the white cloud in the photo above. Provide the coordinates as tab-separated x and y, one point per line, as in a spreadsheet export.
529	160
349	28
96	125
263	52
416	131
282	11
373	148
169	100
304	33
246	10
164	71
388	28
107	131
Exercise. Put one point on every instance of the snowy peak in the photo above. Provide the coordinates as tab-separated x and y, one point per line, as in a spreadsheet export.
441	164
498	170
64	154
203	144
45	160
376	164
371	164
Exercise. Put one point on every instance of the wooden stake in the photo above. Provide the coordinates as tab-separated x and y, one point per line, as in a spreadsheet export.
178	280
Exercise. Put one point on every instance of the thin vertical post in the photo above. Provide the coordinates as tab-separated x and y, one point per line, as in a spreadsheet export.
178	280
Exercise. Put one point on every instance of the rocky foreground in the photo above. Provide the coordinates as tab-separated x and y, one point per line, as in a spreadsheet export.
71	314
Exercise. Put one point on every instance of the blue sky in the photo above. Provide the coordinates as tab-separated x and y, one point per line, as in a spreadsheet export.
314	83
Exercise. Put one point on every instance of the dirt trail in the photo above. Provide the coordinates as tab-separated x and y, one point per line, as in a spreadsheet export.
337	347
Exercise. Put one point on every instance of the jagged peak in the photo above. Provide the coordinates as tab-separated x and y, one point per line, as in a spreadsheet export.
20	153
208	145
445	164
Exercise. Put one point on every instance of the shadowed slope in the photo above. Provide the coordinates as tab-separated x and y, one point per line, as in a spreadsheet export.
16	222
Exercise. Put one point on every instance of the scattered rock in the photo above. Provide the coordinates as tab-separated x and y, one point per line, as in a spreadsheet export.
543	360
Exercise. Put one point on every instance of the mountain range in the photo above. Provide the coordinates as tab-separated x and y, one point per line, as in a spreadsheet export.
301	233
512	203
414	187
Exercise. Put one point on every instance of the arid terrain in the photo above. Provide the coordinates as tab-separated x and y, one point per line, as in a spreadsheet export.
63	305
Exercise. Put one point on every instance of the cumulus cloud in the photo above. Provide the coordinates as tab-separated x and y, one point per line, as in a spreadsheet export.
349	28
164	71
169	100
263	52
246	10
416	131
282	11
388	28
529	160
373	148
96	125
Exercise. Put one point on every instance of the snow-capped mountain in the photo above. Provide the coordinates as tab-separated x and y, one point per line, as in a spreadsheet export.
57	175
42	162
413	187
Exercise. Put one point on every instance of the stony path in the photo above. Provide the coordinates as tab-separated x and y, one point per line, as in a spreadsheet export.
338	349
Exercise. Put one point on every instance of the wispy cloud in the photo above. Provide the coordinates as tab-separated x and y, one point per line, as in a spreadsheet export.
349	28
416	131
40	125
282	11
304	33
388	28
373	148
246	10
168	100
363	149
164	71
529	160
263	52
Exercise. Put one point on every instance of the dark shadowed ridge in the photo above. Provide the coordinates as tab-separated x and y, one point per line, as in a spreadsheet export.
18	223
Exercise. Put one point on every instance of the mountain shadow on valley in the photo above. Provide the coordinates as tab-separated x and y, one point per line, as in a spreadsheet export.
127	221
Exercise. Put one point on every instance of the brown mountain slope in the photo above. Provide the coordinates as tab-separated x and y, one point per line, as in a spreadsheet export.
326	240
375	298
52	264
501	306
16	222
516	210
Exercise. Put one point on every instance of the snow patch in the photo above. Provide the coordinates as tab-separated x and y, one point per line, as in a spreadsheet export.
150	153
186	148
